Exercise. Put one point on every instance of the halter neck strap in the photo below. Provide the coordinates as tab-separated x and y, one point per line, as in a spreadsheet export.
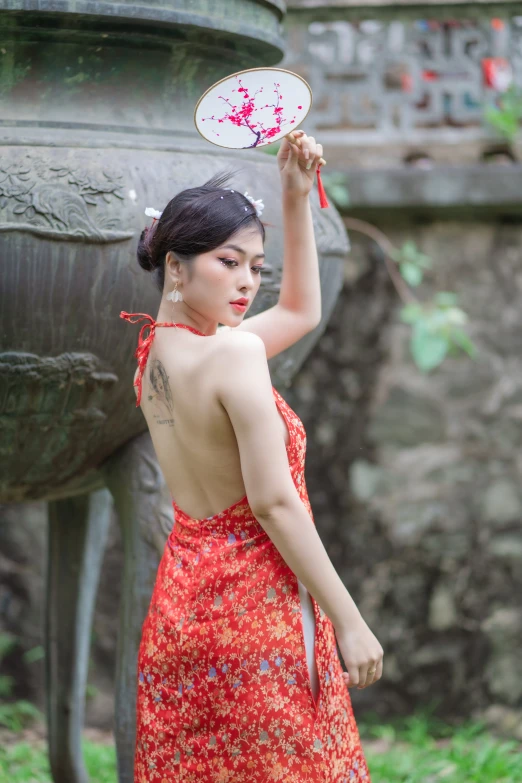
144	343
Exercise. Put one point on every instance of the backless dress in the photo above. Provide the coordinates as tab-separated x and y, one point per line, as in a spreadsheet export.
238	675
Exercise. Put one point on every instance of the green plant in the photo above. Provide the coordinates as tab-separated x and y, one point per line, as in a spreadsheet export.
412	262
436	330
23	762
17	715
14	715
436	324
7	643
421	748
505	117
34	654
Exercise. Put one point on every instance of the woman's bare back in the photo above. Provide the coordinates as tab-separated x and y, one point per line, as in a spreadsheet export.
191	431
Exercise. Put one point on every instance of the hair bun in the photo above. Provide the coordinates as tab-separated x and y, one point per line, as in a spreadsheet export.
143	252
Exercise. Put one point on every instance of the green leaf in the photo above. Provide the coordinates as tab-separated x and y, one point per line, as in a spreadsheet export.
34	654
506	117
463	341
424	261
412	262
270	149
410	313
339	194
7	642
428	349
411	273
409	251
455	316
446	298
6	685
436	320
16	715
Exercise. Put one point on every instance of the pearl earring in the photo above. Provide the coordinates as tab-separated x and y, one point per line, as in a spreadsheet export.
175	295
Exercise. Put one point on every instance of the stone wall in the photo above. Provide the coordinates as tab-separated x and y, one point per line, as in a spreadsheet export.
413	479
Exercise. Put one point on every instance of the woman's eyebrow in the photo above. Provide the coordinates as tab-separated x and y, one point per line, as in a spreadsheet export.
240	250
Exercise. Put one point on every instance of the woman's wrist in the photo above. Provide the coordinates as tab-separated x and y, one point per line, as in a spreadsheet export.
348	616
292	199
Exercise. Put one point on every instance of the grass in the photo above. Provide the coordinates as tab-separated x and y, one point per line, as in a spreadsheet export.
24	762
423	749
416	749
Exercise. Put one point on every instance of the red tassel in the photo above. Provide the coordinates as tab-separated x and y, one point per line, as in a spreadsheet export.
320	187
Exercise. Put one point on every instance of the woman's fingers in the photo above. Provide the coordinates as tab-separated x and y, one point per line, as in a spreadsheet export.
317	158
308	147
368	677
353	672
378	672
364	677
302	140
312	152
360	677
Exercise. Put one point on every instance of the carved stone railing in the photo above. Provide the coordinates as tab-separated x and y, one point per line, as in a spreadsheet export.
379	80
400	94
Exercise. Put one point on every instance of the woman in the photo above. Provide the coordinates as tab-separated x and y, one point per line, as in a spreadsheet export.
239	680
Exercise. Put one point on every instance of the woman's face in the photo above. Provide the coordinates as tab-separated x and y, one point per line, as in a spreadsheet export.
229	272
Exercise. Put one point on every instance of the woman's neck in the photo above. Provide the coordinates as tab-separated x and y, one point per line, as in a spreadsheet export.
168	315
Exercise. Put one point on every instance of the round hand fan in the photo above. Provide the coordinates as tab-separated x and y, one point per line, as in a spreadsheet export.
255	107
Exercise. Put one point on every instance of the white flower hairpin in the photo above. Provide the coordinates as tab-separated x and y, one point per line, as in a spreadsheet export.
153	213
257	204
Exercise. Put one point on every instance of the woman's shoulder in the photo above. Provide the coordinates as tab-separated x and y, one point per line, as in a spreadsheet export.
238	336
235	332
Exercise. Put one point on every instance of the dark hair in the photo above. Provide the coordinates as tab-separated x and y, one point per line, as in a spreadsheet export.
195	221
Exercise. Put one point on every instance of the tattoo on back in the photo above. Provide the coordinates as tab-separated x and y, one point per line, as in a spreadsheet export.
160	395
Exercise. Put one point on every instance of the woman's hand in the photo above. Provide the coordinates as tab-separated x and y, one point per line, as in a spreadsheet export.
297	165
361	652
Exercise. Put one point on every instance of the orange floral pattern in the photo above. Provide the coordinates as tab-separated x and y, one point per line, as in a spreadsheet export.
224	690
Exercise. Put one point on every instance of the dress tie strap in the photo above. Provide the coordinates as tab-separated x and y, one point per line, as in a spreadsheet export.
144	343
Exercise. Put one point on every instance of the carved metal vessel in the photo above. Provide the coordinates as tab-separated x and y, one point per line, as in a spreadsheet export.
96	105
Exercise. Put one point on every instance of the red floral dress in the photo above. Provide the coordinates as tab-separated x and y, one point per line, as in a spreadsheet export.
225	694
